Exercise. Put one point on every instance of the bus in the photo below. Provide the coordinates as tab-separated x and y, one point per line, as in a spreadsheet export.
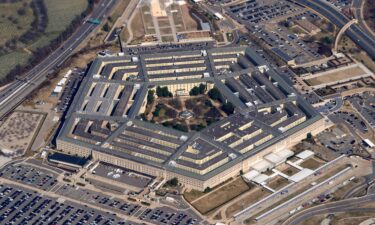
94	21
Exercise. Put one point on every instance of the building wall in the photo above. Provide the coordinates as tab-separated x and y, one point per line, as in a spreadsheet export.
189	182
72	149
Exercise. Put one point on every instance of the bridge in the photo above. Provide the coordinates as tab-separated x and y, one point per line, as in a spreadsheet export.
341	32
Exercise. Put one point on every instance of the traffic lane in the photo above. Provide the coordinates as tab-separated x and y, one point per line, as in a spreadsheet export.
331	208
336	210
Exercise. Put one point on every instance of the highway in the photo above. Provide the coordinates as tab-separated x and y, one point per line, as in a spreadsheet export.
16	92
355	33
347	205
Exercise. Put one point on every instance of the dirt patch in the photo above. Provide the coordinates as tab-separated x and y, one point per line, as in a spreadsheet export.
17	133
248	199
137	25
221	196
189	22
193	195
311	164
277	183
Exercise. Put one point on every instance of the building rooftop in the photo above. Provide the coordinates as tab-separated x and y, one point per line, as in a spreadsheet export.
105	114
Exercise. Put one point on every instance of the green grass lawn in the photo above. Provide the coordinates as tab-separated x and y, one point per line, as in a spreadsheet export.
13	24
60	15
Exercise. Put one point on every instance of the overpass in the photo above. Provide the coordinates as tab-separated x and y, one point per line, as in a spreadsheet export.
341	32
354	32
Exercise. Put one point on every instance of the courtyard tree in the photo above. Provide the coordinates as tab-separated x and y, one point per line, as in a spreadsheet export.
163	92
214	94
150	97
228	108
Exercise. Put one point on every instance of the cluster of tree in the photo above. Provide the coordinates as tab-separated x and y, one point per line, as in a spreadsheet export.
41	53
39	24
163	92
176	126
198	90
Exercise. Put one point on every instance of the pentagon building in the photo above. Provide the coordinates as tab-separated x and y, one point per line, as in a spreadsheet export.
104	123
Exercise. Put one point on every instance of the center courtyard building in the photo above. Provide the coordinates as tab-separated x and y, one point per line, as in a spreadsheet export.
104	120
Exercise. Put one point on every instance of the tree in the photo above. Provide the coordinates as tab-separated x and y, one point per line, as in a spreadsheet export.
228	108
106	27
150	97
310	138
173	182
327	40
156	113
214	94
202	88
208	189
21	12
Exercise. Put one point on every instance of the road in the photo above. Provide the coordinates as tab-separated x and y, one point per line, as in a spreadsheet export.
355	33
347	205
17	91
122	21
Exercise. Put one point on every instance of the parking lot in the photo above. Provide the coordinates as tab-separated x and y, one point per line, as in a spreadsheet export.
253	11
351	119
165	216
365	105
71	87
102	200
29	175
345	144
159	215
21	206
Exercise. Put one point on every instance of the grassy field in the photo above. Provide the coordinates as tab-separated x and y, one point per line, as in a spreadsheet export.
60	15
336	76
13	24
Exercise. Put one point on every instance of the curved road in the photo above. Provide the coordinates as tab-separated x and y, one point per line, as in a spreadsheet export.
357	6
347	205
17	91
355	33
